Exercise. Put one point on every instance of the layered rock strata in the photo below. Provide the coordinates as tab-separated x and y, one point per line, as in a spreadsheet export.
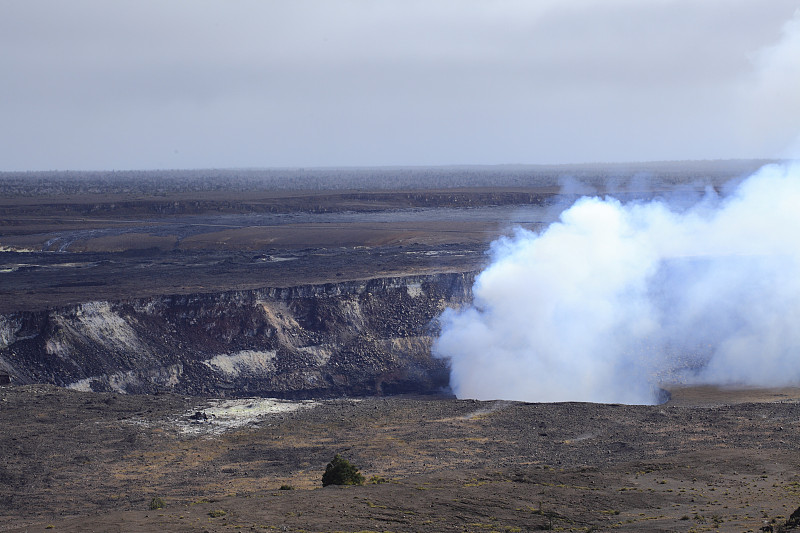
351	338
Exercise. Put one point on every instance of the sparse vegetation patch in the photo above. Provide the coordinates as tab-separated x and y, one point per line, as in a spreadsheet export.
157	503
340	471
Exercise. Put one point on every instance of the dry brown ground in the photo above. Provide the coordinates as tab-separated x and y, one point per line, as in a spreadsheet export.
118	247
708	459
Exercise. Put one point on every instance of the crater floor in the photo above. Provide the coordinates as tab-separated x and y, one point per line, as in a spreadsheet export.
93	462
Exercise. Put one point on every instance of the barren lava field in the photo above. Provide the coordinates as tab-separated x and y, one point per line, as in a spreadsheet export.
708	459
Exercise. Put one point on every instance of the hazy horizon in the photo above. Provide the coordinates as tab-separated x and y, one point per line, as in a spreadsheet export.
587	165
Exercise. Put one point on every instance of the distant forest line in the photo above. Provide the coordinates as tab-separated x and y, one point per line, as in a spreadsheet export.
604	176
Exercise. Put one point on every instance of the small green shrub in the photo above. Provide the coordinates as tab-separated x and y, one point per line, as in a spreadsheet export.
157	503
341	472
217	513
377	480
286	487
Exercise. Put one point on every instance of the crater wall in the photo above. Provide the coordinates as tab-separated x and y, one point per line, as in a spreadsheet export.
351	338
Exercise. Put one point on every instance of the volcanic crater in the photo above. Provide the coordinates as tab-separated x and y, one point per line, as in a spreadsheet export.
205	349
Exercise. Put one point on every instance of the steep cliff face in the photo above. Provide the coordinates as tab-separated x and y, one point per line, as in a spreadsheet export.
353	338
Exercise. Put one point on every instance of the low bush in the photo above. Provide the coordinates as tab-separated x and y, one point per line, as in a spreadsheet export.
340	471
157	503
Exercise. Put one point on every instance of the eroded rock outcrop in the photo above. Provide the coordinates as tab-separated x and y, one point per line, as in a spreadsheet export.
351	338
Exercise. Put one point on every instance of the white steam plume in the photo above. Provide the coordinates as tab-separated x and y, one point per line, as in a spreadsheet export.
616	298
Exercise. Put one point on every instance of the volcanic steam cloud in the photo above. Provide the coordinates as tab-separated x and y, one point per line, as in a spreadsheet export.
615	298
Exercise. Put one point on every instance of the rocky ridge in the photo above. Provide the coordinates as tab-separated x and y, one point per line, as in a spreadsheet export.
350	338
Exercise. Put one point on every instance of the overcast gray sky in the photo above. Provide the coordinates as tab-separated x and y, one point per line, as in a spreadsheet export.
141	84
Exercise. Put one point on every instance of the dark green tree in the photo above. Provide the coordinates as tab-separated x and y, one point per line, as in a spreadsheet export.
341	472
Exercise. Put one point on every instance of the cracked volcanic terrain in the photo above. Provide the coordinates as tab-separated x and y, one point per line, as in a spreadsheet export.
708	459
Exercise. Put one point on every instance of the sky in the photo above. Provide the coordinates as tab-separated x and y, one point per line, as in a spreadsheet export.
149	84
